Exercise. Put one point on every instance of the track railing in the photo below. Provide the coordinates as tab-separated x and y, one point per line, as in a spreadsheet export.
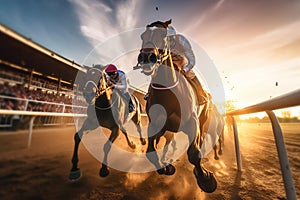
34	114
284	101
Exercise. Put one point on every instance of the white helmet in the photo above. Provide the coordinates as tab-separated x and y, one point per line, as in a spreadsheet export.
171	31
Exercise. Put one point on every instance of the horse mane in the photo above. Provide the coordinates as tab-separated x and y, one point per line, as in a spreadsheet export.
160	24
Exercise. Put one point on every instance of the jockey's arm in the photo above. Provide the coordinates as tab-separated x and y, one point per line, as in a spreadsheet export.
188	53
122	83
108	79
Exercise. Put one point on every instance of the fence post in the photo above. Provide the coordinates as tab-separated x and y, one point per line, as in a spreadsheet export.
283	158
30	131
237	145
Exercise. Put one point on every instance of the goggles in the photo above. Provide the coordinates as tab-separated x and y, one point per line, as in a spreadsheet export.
111	73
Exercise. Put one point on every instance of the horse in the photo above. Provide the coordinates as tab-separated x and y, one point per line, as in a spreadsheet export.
171	104
214	125
107	108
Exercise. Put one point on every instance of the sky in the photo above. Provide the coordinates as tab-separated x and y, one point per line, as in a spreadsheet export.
253	44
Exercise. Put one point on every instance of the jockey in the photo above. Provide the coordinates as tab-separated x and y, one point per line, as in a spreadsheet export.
184	58
119	81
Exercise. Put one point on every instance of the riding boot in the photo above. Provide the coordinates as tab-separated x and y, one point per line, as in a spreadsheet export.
146	96
201	94
131	107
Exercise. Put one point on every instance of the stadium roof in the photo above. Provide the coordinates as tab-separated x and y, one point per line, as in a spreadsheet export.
23	52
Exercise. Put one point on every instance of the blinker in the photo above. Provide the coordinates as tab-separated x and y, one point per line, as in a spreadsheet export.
147	58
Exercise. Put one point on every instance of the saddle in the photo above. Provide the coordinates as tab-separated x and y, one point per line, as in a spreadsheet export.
197	87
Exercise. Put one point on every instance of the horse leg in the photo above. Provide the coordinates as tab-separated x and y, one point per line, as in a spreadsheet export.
215	152
169	141
221	141
130	143
166	147
151	153
139	129
169	169
205	179
137	122
107	146
75	173
202	119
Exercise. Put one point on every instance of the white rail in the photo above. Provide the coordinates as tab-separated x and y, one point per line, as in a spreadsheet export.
49	120
34	114
288	100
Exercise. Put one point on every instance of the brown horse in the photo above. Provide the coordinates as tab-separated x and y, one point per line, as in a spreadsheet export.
214	125
171	105
107	109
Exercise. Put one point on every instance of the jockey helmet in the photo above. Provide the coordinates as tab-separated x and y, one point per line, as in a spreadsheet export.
171	31
111	68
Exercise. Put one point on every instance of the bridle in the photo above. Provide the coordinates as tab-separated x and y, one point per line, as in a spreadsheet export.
100	89
156	57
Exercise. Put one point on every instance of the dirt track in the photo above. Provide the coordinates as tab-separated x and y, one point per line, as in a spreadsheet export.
41	171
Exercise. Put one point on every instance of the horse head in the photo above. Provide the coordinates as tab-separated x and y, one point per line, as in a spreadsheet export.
155	47
95	85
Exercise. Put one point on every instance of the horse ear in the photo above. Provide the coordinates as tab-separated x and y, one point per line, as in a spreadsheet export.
168	22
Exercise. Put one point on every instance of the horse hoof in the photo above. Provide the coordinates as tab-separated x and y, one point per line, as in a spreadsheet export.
207	183
75	175
143	141
216	158
170	169
161	171
220	152
103	172
132	145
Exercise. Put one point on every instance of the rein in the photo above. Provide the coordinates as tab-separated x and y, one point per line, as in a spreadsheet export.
164	57
99	93
164	88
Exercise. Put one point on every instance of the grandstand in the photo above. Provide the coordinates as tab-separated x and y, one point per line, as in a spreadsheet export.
33	78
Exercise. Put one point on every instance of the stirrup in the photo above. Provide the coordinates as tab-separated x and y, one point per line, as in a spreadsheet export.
146	96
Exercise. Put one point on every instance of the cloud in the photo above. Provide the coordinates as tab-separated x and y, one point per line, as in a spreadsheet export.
205	14
126	14
99	21
218	4
268	48
272	39
287	51
102	23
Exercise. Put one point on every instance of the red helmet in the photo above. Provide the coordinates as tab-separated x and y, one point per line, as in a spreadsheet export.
111	68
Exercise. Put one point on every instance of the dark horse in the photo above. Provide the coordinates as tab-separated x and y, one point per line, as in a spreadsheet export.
171	105
214	125
107	109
